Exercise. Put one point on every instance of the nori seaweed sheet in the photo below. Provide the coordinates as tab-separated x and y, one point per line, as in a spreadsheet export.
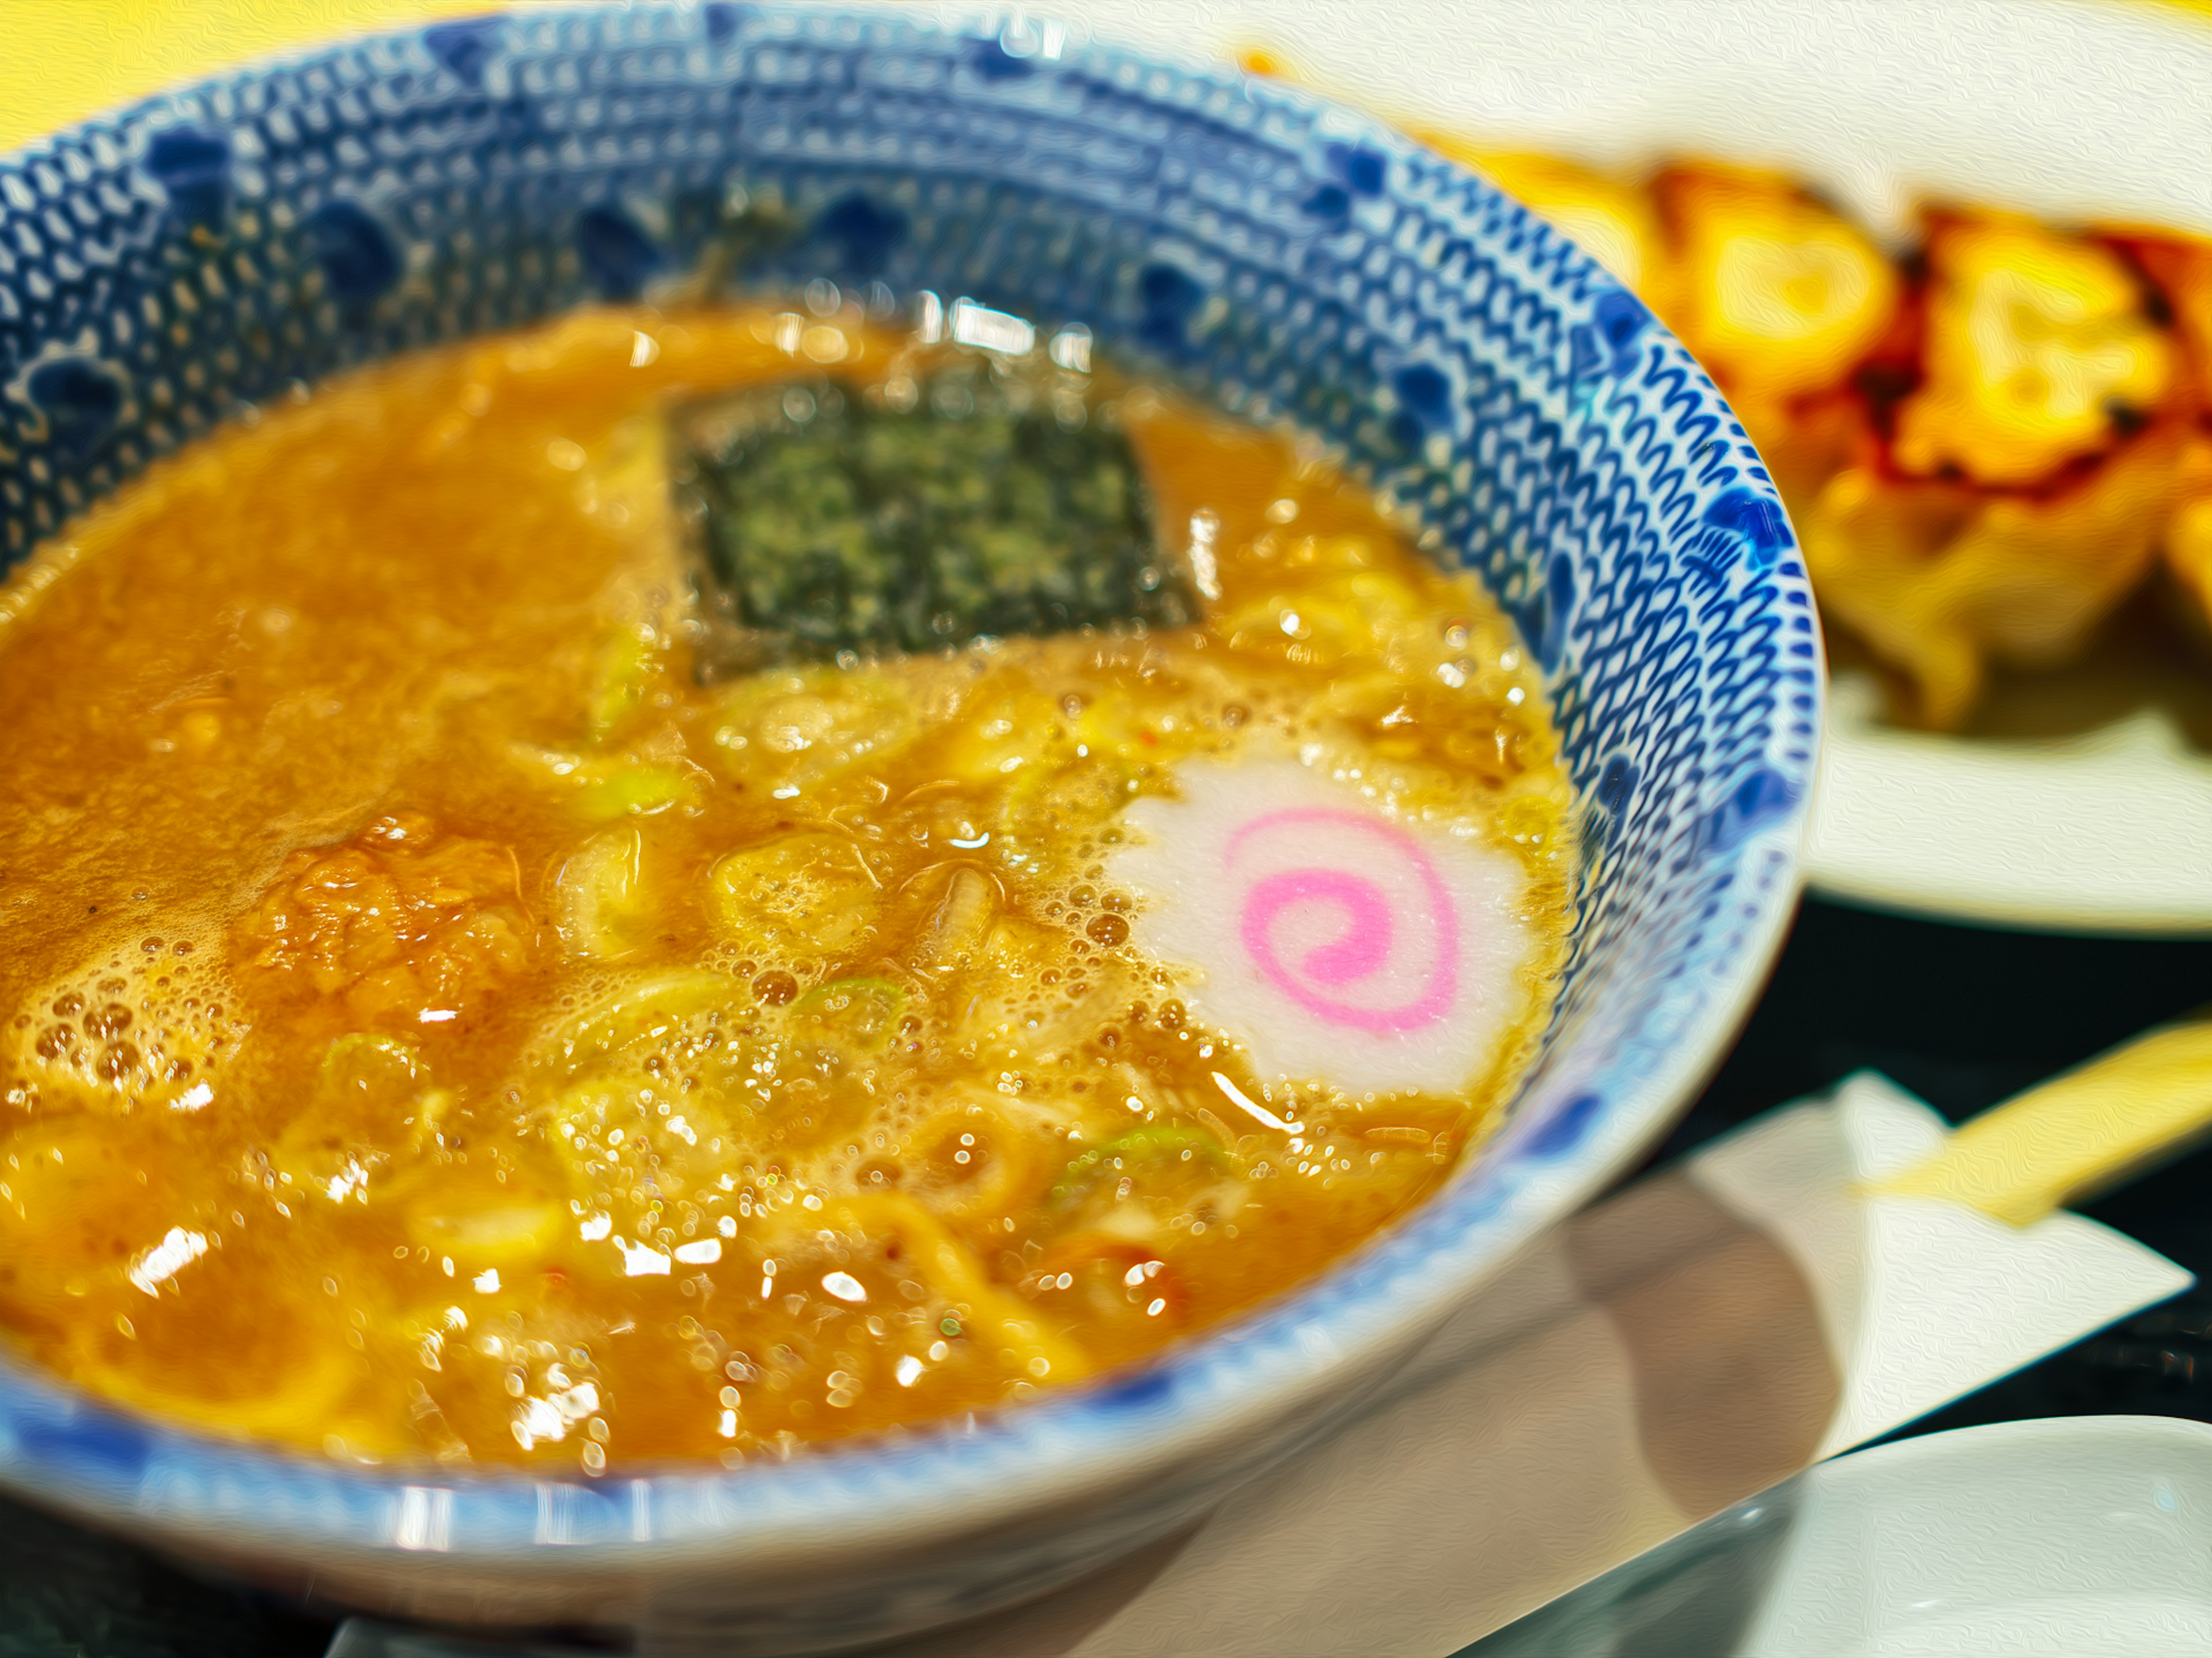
827	519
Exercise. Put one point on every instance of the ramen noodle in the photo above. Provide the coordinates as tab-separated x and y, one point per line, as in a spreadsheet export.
443	1023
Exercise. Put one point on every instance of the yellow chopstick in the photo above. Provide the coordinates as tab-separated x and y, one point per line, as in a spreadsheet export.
2076	1133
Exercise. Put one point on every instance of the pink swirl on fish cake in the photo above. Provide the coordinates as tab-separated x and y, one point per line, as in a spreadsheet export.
1369	934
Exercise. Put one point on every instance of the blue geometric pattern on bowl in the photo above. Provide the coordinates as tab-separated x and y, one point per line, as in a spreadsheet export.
165	267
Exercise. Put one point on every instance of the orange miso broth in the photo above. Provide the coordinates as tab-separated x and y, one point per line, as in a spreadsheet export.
439	1023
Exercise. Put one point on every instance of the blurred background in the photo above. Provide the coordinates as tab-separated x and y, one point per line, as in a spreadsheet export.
68	58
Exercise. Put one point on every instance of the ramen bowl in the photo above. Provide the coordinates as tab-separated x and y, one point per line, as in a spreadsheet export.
184	260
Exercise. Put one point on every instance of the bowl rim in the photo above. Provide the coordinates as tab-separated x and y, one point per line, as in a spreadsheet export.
1260	1365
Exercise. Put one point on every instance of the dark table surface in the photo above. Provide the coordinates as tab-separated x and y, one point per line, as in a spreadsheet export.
1963	1017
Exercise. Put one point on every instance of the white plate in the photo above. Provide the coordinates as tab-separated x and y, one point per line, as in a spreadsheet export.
2060	1537
2064	107
2109	833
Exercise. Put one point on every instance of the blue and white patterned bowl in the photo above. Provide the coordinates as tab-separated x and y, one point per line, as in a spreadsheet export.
161	268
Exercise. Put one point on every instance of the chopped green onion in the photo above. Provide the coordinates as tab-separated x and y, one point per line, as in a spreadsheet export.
1150	1143
863	1010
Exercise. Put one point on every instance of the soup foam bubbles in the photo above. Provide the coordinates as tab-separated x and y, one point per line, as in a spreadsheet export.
151	1021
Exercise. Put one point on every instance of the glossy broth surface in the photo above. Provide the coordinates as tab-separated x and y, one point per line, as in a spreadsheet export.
439	1026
